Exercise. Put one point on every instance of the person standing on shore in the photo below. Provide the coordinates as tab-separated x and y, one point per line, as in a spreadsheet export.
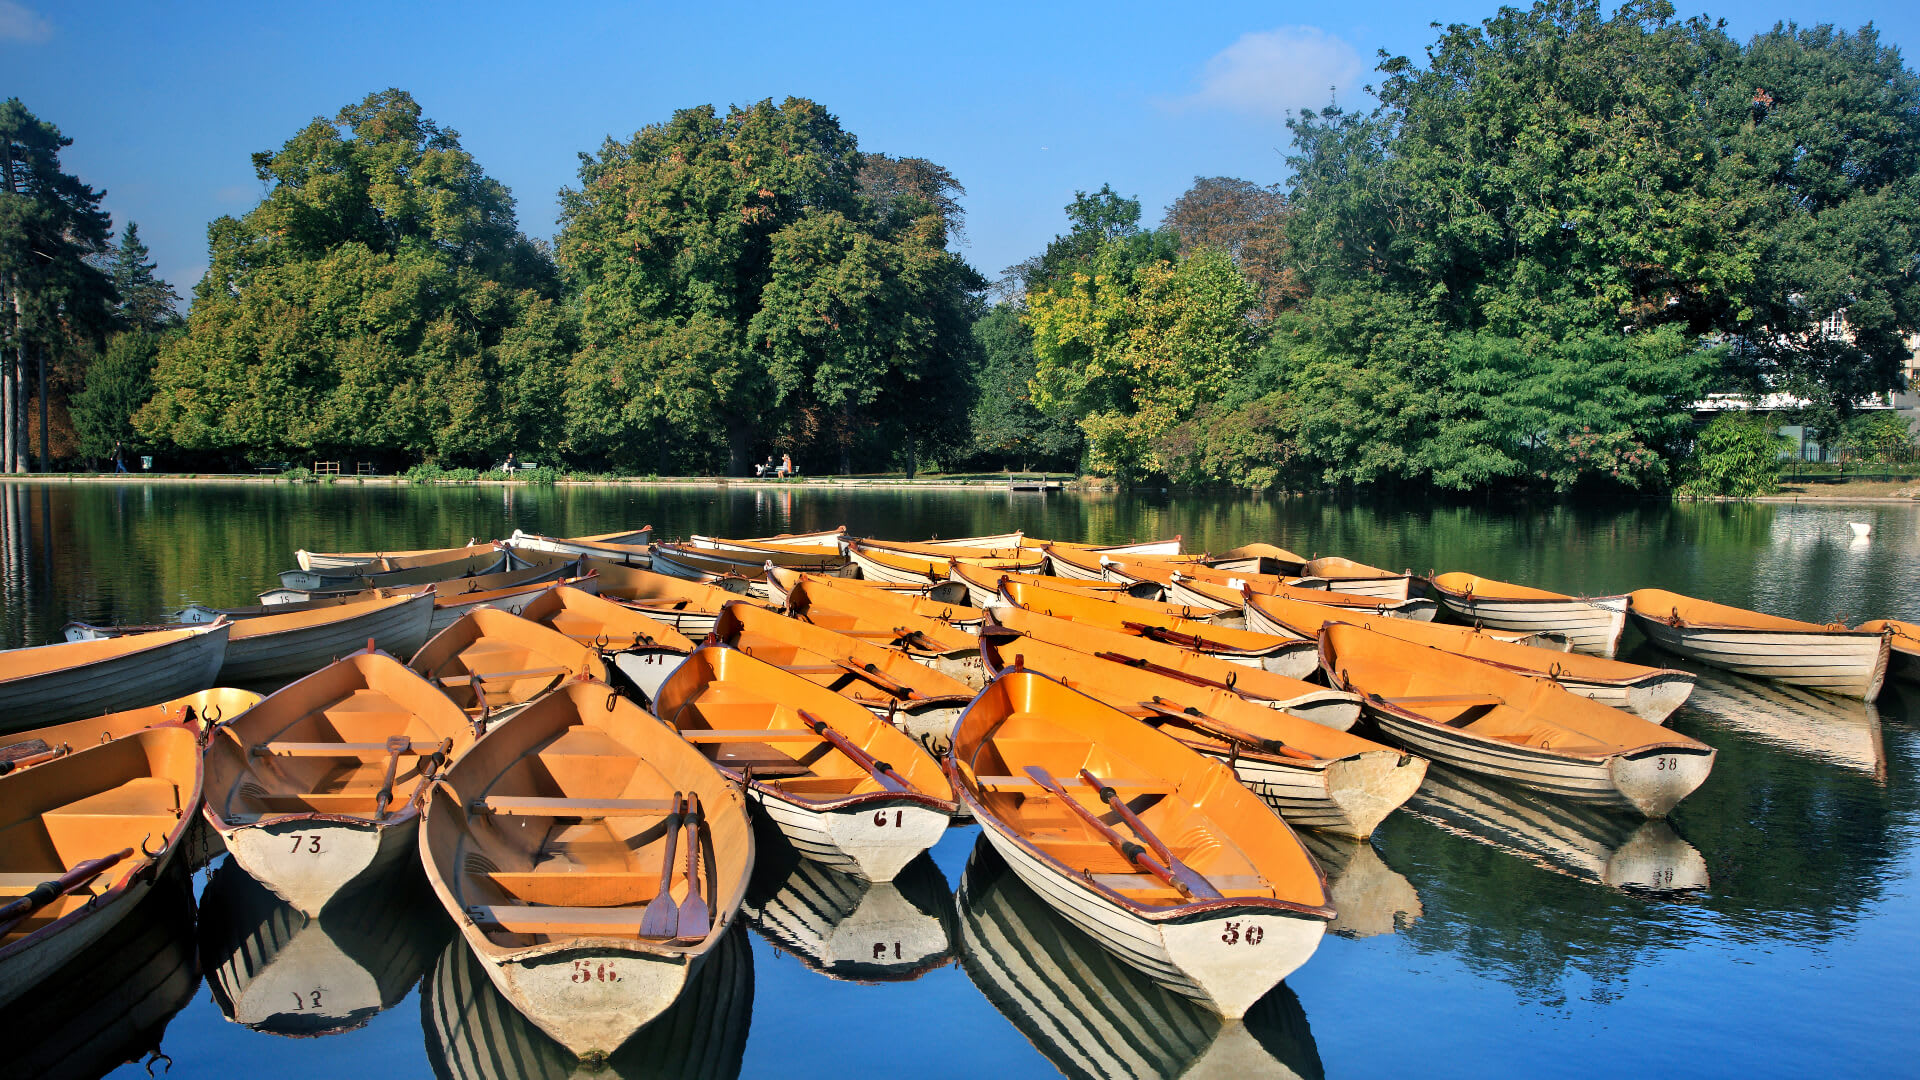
119	459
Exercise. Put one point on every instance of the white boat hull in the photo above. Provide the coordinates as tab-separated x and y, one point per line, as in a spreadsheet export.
875	571
1226	960
594	1015
155	674
1387	588
307	860
1590	626
558	546
1648	782
1347	797
1849	664
872	839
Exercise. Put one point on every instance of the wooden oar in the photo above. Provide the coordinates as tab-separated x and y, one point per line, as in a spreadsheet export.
1196	882
661	919
396	745
694	920
37	757
1130	849
876	677
1161	669
1220	729
47	892
879	770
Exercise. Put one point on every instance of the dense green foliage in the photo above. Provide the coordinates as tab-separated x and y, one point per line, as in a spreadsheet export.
380	298
751	280
118	383
1736	455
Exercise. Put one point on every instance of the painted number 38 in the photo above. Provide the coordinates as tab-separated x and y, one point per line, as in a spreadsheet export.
586	971
1233	935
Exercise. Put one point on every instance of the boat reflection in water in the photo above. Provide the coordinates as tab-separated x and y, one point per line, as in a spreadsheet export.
1840	731
846	928
473	1032
111	1004
1583	842
1369	897
277	970
1092	1015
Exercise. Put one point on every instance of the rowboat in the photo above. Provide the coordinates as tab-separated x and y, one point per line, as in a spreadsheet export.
918	700
1649	693
1271	689
202	614
474	1033
494	664
1903	659
996	540
690	607
555	847
822	556
1347	576
949	594
640	650
936	602
1072	561
1525	730
1152	548
1834	659
277	970
1091	1015
628	549
1590	624
338	760
82	840
1239	646
698	564
1415	608
110	1005
451	606
944	648
1259	558
275	648
845	788
329	560
983	585
493	559
196	710
1316	777
921	564
1370	898
1220	904
1567	838
847	928
834	538
350	576
50	684
1027	590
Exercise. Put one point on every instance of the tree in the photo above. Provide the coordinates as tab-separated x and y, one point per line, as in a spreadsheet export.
51	230
745	277
146	301
1133	359
117	384
1249	223
1736	455
380	298
1008	430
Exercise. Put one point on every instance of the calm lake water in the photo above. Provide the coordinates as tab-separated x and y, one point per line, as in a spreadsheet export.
1771	929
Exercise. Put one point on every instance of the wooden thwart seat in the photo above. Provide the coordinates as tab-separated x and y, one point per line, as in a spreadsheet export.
544	806
334	749
559	921
1027	784
503	676
1142	882
749	735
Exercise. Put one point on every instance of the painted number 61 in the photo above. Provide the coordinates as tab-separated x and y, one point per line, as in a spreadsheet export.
880	818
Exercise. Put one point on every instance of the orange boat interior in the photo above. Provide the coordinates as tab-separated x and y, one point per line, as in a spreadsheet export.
495	660
1024	730
323	744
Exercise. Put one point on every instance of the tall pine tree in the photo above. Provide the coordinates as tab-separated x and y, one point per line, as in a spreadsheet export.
147	301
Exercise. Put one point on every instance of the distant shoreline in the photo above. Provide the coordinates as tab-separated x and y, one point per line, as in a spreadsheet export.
809	483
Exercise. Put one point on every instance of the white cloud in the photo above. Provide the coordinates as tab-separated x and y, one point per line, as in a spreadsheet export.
1271	72
18	22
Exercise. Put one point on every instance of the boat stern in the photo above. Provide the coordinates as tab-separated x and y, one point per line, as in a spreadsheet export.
307	861
1655	779
1369	786
1234	958
590	999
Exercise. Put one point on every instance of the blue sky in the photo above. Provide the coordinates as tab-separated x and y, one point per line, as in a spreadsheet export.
1024	102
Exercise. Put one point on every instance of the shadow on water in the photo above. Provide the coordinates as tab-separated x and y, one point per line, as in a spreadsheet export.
473	1032
112	1003
279	971
1794	837
1092	1015
844	927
